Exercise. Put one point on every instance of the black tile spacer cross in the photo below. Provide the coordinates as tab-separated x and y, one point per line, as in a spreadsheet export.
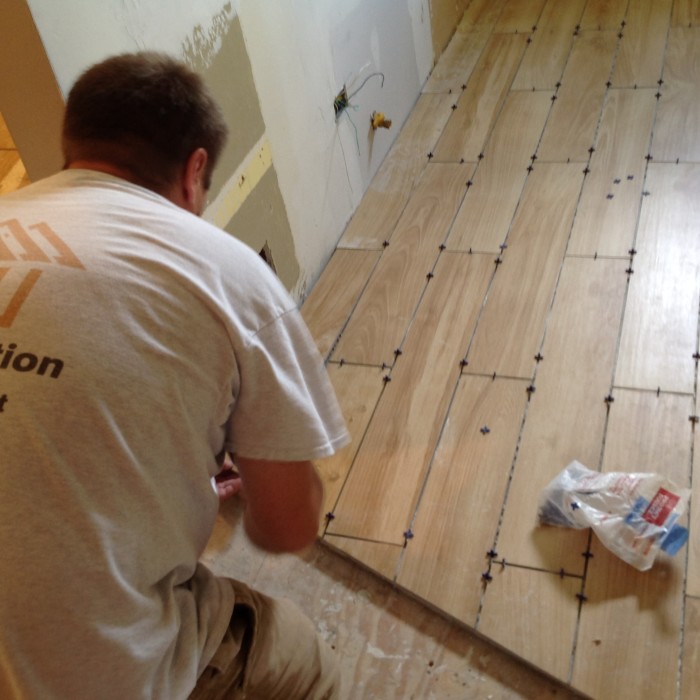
629	271
696	356
386	378
609	399
632	251
530	390
498	261
430	155
581	597
385	244
463	363
539	357
694	419
562	573
485	430
442	246
486	576
329	517
492	554
454	106
587	555
398	352
430	275
408	535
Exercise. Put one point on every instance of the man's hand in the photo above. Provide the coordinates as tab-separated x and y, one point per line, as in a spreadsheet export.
283	503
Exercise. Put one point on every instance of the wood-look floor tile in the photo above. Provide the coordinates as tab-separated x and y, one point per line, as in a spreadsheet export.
640	58
454	67
693	582
690	668
677	128
659	334
533	614
512	324
519	16
479	105
385	310
485	217
545	58
685	13
567	412
481	14
379	557
570	131
458	512
603	14
646	433
358	389
331	301
631	620
606	219
385	481
382	205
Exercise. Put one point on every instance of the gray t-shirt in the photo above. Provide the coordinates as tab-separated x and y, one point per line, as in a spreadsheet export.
137	344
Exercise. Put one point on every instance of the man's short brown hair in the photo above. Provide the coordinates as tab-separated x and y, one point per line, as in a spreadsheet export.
146	113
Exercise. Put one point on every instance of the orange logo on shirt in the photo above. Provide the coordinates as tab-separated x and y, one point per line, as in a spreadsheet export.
19	244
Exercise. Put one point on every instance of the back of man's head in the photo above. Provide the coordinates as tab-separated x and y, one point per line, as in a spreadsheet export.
144	113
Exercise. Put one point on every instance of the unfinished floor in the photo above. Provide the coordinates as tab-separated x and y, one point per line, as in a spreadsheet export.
520	288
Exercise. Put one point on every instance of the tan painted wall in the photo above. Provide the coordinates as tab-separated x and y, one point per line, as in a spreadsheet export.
30	99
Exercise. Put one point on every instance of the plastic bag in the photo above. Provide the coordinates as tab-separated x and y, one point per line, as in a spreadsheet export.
634	515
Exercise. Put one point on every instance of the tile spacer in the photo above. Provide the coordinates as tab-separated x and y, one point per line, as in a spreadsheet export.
581	597
530	390
329	517
430	155
486	576
694	419
463	363
385	244
492	554
587	555
398	352
609	399
696	356
539	357
386	378
485	430
430	275
408	535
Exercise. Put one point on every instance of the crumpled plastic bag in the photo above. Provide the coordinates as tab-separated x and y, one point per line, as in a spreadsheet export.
634	515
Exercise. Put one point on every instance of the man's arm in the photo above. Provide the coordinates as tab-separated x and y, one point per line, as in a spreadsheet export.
283	503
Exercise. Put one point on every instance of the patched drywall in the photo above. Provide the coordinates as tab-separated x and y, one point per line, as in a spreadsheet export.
262	223
228	73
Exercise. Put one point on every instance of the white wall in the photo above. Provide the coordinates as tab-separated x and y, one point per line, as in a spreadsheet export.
302	52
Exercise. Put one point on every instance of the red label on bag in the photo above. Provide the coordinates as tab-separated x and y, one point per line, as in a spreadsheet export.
660	507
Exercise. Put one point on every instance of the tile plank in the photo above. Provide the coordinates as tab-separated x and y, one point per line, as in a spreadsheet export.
478	107
333	297
382	205
379	557
382	489
659	334
606	219
481	13
677	128
646	433
640	58
512	324
693	582
485	217
545	58
686	13
571	128
690	667
454	67
358	390
545	635
519	16
386	308
603	14
621	599
566	414
458	512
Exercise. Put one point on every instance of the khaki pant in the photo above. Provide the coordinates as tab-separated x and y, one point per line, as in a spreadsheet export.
271	650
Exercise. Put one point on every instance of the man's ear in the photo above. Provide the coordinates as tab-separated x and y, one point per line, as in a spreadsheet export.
194	180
